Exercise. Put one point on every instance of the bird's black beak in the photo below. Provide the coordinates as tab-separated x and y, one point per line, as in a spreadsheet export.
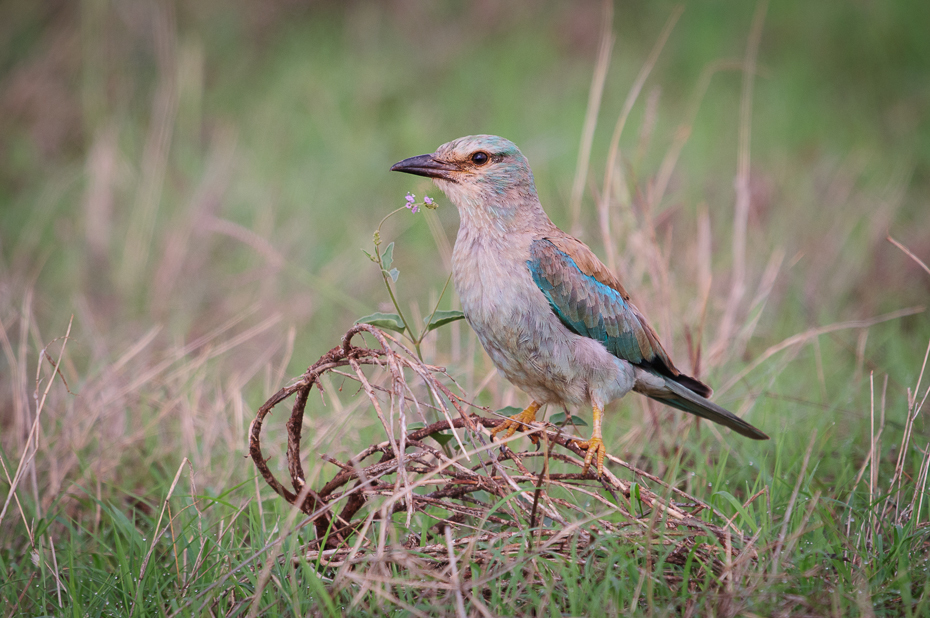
426	165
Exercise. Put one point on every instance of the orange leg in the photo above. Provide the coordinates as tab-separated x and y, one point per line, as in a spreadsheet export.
595	446
518	421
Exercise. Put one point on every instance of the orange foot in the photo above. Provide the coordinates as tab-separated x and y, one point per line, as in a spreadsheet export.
595	445
596	449
518	421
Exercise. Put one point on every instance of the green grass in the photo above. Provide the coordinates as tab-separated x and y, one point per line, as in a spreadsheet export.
196	197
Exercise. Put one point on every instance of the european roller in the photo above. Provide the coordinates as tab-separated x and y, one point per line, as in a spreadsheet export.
554	320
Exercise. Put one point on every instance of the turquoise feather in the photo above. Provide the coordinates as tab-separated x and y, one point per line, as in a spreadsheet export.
586	306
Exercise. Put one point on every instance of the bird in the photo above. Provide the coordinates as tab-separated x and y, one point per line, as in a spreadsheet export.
555	321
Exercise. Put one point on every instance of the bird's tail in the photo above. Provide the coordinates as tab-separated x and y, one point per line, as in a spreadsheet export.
681	397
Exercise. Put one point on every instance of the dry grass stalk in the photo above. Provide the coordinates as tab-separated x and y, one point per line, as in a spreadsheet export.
613	156
556	512
909	254
741	206
605	47
32	442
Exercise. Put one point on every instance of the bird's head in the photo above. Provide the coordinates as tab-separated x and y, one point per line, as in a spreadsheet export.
483	175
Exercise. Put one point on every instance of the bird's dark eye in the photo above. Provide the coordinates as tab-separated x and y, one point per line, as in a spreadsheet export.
480	158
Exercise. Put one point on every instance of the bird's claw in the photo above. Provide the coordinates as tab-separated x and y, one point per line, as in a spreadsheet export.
596	449
517	421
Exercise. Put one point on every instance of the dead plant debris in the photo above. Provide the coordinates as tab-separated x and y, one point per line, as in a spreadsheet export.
482	502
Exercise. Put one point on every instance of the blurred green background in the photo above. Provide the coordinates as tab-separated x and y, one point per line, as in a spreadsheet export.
197	180
300	108
193	182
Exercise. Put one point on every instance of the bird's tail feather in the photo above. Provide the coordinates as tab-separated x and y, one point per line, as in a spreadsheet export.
679	396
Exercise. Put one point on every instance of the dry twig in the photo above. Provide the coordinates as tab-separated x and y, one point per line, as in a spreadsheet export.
557	511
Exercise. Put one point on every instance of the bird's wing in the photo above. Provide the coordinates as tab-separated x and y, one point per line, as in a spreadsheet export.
590	301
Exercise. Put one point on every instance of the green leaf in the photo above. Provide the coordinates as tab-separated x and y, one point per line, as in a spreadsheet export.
736	504
560	418
370	256
393	274
415	426
441	437
509	411
441	318
390	321
387	258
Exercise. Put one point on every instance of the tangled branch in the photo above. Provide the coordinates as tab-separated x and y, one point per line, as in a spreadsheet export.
480	491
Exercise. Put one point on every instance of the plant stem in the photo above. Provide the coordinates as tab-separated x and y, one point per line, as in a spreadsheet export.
435	309
414	339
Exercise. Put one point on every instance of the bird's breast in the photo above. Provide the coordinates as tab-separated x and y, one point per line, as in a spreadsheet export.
513	320
494	285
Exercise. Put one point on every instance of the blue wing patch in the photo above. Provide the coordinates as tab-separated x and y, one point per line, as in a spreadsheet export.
588	307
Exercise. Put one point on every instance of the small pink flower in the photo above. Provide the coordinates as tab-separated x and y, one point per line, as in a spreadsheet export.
428	200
